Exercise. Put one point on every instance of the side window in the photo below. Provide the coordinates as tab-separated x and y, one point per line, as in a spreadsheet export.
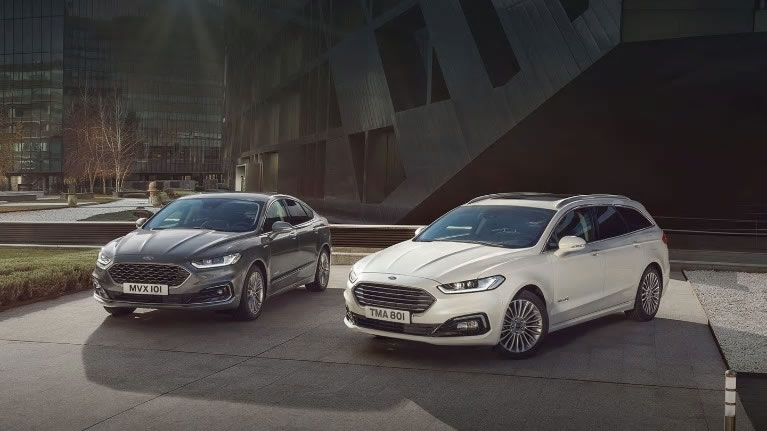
609	222
296	212
275	213
308	211
634	218
578	223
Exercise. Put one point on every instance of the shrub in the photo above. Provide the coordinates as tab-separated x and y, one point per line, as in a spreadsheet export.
32	273
171	194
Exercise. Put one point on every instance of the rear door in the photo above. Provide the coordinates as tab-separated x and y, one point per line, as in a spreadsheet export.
283	248
577	278
305	239
622	262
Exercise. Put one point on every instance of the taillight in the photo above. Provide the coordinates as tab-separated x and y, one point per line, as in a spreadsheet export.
665	238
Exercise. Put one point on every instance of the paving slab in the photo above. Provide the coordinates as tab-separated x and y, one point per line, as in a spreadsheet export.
66	364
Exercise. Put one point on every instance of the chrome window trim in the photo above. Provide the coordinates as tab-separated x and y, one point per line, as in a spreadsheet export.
545	244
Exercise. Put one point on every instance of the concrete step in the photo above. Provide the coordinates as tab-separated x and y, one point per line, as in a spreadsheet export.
350	255
346	258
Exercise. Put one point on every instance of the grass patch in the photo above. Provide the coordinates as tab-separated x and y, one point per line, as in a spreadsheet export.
32	273
126	215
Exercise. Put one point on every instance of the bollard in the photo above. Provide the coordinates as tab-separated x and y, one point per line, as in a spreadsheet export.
729	400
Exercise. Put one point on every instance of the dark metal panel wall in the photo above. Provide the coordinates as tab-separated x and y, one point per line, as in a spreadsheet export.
340	180
458	55
431	144
363	95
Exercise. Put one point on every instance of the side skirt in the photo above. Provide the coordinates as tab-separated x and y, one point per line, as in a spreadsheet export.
601	313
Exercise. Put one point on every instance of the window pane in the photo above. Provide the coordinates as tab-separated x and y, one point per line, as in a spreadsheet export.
275	213
610	223
296	212
634	219
308	211
576	223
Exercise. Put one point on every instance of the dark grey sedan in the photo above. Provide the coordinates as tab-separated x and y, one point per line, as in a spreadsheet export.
215	252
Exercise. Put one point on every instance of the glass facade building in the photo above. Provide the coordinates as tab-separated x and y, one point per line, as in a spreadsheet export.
165	57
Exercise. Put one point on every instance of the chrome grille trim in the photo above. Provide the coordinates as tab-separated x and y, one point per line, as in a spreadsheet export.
151	273
402	298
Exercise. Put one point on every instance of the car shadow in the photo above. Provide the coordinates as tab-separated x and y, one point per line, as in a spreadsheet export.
299	354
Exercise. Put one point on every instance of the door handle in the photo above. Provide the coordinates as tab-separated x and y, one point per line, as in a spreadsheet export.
637	244
595	252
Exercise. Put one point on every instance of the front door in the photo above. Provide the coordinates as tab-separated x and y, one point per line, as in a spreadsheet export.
577	277
283	249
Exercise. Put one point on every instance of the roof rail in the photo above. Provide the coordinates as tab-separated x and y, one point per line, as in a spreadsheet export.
517	195
577	198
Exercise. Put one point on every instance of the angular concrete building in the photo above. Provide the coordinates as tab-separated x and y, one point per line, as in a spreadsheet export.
387	111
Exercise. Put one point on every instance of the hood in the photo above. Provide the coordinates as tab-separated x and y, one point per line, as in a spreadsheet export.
171	243
441	261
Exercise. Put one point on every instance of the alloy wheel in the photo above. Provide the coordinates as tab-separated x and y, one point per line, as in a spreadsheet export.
522	326
650	295
324	269
255	292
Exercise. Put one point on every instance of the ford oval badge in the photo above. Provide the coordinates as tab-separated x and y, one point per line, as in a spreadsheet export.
148	258
391	277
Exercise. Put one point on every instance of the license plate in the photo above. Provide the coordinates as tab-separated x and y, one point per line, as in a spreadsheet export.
387	314
145	289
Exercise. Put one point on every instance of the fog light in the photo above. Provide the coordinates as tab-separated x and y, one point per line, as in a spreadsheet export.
471	325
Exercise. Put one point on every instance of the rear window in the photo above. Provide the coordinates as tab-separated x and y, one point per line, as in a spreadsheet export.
634	218
609	223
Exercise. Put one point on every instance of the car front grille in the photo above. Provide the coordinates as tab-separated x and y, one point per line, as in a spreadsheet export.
394	297
150	273
421	329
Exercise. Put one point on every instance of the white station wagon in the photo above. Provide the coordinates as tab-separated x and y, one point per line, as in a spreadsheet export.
507	269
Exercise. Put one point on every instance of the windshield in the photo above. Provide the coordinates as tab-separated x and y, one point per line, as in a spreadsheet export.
500	226
228	215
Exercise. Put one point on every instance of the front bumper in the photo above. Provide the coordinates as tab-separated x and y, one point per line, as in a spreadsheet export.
197	292
428	326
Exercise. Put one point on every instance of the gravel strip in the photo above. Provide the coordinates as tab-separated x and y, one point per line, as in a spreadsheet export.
75	214
736	305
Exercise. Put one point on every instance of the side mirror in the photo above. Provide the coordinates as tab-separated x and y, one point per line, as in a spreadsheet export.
570	244
281	227
419	230
140	222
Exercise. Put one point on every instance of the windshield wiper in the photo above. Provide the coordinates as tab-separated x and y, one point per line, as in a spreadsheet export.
490	244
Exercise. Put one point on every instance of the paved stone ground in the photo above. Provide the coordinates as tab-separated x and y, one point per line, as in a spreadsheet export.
65	365
75	214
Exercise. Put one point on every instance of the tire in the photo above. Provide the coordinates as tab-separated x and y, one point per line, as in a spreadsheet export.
321	274
252	297
523	328
650	288
119	311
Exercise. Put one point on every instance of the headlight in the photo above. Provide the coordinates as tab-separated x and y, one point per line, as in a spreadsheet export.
103	261
216	262
480	285
352	276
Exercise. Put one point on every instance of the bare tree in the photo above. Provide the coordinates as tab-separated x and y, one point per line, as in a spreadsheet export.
10	134
119	131
85	156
